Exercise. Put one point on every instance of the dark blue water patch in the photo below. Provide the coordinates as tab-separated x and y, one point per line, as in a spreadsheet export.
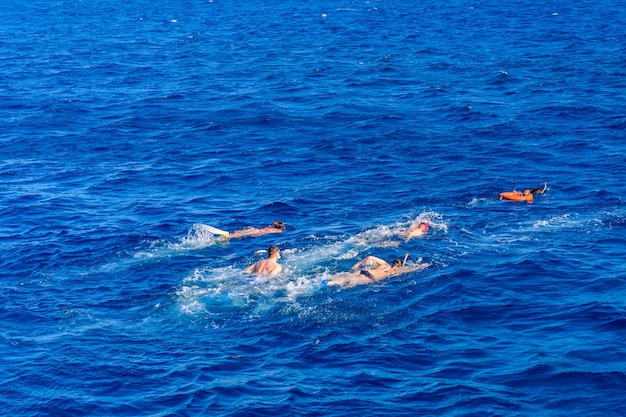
551	377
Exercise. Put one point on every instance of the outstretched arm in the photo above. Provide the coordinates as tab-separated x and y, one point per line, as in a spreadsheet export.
369	260
414	268
253	232
240	233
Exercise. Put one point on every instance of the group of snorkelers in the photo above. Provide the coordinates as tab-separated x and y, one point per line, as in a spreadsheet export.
366	271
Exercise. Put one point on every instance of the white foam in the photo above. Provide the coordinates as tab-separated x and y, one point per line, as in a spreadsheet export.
198	237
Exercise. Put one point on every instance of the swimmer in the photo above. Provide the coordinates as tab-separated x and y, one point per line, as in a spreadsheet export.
415	230
372	269
277	227
269	266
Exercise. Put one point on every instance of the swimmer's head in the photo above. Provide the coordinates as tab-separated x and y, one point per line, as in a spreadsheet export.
279	225
273	250
424	224
397	263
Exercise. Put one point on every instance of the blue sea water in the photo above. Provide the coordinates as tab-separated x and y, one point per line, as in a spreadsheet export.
128	127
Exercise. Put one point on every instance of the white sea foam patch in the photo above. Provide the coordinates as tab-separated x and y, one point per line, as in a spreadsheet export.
568	221
216	290
532	230
480	201
205	284
381	235
302	260
579	223
198	237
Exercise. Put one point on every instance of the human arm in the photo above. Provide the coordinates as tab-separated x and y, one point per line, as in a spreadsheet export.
253	232
419	267
370	260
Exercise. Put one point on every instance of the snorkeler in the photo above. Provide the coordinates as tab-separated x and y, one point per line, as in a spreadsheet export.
277	227
268	266
527	195
372	269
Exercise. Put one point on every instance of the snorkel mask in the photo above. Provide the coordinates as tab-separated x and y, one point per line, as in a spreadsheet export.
279	225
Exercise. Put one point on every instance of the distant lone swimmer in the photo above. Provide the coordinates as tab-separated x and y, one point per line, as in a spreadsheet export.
527	195
372	269
269	266
277	227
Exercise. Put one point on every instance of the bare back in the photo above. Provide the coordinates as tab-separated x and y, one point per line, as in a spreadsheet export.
265	267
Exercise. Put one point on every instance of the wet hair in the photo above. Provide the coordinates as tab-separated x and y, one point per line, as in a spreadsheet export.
272	250
397	262
279	225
